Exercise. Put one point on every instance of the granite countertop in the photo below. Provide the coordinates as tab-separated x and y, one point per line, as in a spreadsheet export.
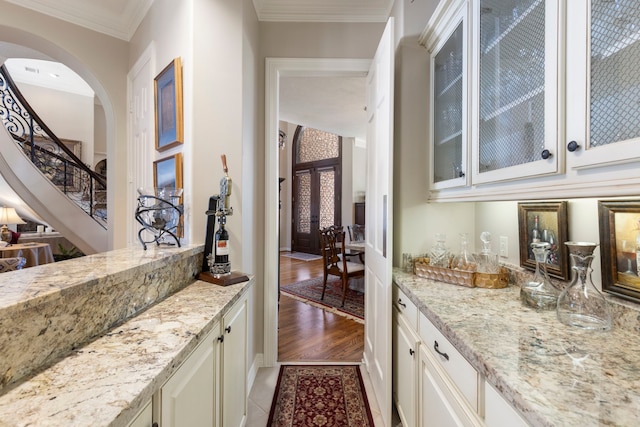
555	375
110	379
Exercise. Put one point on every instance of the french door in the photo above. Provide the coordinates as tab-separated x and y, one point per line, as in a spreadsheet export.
316	204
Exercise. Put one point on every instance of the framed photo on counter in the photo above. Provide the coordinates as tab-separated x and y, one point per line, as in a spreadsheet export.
544	222
620	247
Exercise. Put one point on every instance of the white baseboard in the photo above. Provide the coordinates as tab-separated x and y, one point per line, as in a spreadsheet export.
258	362
285	249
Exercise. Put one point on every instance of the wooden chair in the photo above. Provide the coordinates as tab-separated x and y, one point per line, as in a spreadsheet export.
12	264
335	263
356	234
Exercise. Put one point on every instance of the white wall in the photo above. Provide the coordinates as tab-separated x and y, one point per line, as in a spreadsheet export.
68	115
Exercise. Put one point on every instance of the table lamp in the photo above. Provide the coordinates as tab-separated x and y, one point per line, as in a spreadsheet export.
8	216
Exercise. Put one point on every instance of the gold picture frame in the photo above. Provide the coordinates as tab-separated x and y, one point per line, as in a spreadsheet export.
167	90
553	226
619	234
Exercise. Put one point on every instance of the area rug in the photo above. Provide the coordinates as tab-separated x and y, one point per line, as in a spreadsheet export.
301	256
309	291
328	396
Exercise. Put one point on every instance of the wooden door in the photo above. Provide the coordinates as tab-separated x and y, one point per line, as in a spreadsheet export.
316	187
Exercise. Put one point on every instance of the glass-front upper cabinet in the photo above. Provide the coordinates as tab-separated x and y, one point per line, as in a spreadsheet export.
445	38
516	70
603	103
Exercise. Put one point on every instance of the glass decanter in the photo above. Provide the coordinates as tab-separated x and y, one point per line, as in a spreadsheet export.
439	255
539	292
581	304
487	260
463	259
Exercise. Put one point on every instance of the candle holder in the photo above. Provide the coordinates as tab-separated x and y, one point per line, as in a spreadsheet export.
159	211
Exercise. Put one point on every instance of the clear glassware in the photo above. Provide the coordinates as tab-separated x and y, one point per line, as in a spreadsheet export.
487	260
463	259
439	252
581	304
539	293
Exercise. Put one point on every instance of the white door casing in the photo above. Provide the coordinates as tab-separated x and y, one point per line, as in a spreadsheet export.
275	68
379	238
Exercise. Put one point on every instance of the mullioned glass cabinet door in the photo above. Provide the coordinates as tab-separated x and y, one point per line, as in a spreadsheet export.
449	102
603	107
515	114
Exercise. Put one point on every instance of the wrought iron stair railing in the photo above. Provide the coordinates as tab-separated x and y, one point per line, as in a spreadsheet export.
49	154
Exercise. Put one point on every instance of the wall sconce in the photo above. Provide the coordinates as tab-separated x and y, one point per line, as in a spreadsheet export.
8	216
282	139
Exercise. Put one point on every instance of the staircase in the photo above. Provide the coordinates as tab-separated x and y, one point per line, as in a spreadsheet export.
48	176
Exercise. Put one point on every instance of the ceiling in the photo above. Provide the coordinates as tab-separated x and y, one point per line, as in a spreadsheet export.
332	104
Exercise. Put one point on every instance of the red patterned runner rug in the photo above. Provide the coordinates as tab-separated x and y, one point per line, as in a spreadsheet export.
327	396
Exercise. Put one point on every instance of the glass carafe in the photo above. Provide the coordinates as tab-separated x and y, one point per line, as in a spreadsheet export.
439	255
487	260
464	259
539	293
581	304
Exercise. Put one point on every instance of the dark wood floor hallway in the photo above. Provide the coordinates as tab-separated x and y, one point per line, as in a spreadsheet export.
310	334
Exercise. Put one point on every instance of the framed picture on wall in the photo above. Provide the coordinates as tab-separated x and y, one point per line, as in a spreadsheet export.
620	247
168	106
167	175
544	222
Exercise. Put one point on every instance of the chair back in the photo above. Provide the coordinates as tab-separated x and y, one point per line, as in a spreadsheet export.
11	264
332	246
356	232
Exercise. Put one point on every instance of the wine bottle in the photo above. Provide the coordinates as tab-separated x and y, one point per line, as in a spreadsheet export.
535	233
222	245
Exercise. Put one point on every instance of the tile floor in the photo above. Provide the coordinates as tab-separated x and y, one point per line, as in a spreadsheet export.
264	386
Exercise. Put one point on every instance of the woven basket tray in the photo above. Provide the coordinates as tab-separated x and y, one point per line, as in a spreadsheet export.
470	279
421	268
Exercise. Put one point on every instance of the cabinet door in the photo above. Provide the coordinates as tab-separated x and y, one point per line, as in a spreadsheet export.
440	405
449	102
234	366
405	363
515	116
188	397
497	412
603	113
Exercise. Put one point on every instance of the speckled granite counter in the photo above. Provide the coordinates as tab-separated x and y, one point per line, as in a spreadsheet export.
553	374
106	382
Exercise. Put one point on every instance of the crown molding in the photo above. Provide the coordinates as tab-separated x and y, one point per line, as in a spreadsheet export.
119	22
324	11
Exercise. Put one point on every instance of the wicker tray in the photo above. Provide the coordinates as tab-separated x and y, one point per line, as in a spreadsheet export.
470	279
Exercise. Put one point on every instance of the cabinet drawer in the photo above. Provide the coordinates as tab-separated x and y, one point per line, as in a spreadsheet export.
405	307
455	365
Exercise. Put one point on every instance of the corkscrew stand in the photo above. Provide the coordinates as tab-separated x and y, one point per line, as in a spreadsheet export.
212	272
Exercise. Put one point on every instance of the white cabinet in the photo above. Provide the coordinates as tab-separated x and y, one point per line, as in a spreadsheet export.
210	387
550	102
144	418
497	412
440	404
188	397
447	42
405	364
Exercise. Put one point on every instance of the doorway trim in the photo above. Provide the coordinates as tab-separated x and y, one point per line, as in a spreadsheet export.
275	68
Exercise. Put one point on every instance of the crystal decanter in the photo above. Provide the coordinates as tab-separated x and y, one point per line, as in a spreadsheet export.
539	292
581	304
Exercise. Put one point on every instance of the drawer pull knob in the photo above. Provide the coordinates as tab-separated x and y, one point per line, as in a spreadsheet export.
573	146
546	154
411	352
435	347
228	329
400	303
221	338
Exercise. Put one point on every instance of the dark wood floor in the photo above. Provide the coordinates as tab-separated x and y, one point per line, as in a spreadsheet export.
310	334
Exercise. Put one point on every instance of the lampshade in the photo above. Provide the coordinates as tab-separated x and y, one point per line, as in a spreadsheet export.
9	216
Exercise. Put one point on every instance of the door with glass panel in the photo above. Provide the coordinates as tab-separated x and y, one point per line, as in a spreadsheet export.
449	109
516	67
603	107
316	187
